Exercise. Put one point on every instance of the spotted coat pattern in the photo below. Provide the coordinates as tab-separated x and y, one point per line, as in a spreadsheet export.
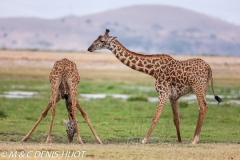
64	79
173	78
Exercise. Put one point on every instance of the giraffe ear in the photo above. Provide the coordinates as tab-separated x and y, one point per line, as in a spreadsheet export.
113	38
65	122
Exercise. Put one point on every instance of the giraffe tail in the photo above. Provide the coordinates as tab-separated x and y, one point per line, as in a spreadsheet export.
215	96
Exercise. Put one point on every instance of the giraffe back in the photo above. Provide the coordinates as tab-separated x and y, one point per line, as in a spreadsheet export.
63	73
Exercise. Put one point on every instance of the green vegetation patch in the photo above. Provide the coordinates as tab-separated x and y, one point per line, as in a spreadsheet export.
115	120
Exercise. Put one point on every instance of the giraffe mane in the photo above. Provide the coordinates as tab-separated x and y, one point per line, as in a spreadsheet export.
143	55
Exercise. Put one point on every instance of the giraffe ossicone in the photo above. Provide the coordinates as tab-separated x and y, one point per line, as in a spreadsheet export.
173	79
64	79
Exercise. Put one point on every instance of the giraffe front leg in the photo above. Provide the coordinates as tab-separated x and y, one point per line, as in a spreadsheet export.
43	115
174	105
49	139
161	101
73	90
74	113
79	139
53	99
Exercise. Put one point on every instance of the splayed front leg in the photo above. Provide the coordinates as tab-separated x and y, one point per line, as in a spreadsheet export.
161	101
49	139
43	115
85	116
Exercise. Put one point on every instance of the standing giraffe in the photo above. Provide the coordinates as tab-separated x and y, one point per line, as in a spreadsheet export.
64	79
173	79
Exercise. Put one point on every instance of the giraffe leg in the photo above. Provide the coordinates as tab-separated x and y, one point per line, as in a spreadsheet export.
74	113
54	99
73	92
53	111
43	115
161	101
174	104
202	112
85	116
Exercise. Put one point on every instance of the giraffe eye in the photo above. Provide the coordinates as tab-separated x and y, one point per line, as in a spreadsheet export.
101	41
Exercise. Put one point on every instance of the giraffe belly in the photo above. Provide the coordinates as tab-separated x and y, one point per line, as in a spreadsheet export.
176	92
63	88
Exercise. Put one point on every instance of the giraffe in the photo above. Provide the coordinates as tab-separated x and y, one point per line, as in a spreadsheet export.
64	79
173	79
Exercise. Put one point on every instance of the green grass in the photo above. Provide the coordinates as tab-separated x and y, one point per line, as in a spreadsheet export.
114	120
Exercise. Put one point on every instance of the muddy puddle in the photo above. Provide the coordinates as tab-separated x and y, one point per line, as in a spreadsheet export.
189	98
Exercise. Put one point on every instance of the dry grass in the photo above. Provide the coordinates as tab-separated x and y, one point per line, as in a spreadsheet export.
130	151
100	66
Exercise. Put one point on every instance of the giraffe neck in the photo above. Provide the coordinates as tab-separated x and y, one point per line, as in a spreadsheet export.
136	61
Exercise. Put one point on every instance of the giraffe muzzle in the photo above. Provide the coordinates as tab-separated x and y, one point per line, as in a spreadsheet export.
90	50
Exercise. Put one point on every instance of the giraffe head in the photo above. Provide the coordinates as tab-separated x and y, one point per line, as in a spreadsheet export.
102	42
71	129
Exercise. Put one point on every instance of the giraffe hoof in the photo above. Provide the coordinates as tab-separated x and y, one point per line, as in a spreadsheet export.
24	140
98	140
195	140
49	140
144	141
80	142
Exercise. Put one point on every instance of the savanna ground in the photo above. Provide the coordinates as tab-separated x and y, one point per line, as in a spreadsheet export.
121	124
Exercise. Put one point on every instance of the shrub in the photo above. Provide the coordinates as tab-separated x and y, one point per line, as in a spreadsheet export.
2	114
137	98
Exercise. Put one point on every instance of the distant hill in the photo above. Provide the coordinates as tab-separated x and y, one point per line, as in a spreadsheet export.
143	28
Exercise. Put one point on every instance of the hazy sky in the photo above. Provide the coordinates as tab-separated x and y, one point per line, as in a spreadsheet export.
228	10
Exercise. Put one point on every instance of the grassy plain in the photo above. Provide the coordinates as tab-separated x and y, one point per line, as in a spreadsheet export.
120	124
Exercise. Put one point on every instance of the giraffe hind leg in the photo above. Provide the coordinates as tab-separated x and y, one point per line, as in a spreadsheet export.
202	112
